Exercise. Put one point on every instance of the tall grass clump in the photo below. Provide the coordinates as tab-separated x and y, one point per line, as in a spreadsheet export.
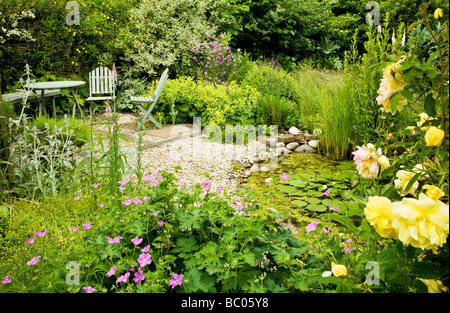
311	84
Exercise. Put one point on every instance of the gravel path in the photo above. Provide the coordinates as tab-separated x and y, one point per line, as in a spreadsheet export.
177	146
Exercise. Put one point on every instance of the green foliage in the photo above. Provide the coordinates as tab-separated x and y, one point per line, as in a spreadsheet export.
214	248
160	35
59	48
215	104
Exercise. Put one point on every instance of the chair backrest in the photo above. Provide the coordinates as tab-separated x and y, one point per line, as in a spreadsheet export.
160	87
100	81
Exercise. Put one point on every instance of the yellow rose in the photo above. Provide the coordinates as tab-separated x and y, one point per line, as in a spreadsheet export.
438	13
384	162
423	223
423	118
338	270
434	192
403	178
434	137
420	168
434	286
390	83
378	214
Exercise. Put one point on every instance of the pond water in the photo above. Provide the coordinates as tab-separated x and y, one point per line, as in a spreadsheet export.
301	199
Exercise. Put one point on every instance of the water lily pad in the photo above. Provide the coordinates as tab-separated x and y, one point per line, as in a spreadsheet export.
299	203
313	200
316	207
298	183
291	191
314	193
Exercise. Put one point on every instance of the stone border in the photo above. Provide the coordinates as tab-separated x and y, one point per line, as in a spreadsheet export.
295	141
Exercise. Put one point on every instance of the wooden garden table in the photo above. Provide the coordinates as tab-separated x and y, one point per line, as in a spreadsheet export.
65	84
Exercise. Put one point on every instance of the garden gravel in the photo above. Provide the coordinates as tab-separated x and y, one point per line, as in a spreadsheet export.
193	154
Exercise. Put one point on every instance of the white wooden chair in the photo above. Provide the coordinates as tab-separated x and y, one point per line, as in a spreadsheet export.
150	102
100	85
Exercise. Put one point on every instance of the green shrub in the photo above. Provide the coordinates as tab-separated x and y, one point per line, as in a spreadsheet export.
270	78
215	104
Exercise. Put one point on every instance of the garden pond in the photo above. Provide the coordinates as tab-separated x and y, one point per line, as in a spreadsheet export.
317	189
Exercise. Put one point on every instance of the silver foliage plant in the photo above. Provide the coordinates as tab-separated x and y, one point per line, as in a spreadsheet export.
42	159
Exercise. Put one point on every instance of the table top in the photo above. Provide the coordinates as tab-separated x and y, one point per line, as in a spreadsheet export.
56	84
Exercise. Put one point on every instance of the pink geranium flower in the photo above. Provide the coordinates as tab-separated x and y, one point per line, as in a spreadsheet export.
126	202
147	177
311	226
95	185
34	260
146	249
326	193
284	176
115	240
348	250
206	185
123	182
31	240
176	280
155	213
77	198
326	230
123	278
89	289
40	233
136	240
161	223
74	229
87	225
144	259
182	184
101	205
6	280
139	277
239	206
111	271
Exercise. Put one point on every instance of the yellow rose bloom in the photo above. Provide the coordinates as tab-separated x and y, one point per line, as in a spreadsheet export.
434	286
338	270
384	162
378	214
434	192
403	178
434	137
423	223
390	83
423	118
438	13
